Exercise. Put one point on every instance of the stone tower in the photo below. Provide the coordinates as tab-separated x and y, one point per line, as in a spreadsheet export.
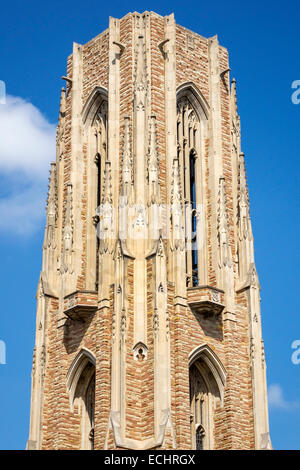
148	328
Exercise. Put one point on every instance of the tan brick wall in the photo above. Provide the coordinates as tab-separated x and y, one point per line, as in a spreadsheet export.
192	63
95	64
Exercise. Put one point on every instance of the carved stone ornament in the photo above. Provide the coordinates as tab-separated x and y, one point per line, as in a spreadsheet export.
176	208
123	324
155	322
225	256
244	223
140	85
51	209
140	352
68	233
215	296
153	164
127	164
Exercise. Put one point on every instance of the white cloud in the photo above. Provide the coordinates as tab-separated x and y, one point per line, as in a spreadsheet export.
27	139
277	400
27	145
22	213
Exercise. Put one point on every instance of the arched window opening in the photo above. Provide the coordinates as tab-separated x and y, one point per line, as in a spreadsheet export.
207	380
81	386
95	118
95	134
199	395
192	139
200	433
85	399
188	141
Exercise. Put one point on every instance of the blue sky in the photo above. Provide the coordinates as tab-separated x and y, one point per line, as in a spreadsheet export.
263	41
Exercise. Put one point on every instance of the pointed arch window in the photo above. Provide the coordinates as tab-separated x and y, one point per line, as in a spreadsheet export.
95	128
200	434
81	387
200	409
188	147
98	151
207	380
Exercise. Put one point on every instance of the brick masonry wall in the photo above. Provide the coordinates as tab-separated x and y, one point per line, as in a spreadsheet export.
95	64
192	60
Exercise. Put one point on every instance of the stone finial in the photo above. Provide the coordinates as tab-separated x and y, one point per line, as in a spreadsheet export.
244	223
68	233
225	255
177	207
233	98
140	85
49	239
123	324
176	193
51	201
106	212
107	186
153	164
51	208
155	322
235	120
62	105
127	169
62	113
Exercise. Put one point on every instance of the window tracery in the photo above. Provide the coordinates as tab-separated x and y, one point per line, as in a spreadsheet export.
188	147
